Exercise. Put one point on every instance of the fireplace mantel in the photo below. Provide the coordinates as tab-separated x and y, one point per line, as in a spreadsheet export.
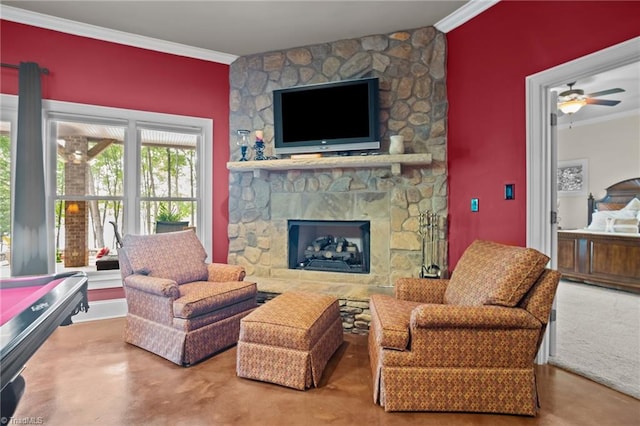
395	162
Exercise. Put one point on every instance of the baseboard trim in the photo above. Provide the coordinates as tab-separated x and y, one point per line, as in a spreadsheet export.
103	309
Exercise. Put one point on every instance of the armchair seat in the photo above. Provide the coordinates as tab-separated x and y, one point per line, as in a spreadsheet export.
468	343
179	306
200	297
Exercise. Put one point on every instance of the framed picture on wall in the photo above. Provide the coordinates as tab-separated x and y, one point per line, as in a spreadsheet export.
573	177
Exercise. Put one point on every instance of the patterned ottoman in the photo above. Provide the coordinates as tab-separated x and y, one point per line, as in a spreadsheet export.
290	339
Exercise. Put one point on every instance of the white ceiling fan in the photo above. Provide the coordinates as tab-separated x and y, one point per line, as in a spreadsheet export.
572	100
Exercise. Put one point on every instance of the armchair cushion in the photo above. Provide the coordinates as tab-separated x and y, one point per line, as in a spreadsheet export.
490	273
204	297
178	256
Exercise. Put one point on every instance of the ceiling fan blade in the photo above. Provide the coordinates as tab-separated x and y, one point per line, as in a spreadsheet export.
605	92
601	102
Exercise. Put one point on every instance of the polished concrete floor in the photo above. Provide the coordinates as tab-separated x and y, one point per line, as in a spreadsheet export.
85	374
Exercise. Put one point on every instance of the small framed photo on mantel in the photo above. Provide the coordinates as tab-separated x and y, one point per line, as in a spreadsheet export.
573	177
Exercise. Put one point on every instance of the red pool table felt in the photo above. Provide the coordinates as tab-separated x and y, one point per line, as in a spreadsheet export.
17	299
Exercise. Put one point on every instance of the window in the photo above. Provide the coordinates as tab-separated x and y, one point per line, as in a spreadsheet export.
5	196
89	193
112	171
168	179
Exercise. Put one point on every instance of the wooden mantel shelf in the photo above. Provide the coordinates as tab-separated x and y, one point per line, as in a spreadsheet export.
260	168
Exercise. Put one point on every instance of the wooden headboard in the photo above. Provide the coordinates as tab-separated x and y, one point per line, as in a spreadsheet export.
618	195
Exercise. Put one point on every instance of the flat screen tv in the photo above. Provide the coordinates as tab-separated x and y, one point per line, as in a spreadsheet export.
335	116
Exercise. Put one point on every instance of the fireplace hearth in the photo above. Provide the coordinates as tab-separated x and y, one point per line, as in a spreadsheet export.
328	245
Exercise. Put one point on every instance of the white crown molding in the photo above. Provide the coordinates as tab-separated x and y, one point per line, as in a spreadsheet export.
92	31
467	12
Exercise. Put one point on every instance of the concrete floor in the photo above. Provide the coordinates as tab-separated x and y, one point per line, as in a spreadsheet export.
85	374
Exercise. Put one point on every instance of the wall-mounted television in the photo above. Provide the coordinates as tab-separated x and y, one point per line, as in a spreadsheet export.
335	116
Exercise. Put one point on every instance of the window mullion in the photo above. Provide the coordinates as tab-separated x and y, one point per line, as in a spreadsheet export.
131	179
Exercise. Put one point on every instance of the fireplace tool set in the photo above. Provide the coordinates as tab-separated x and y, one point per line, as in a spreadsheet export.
433	249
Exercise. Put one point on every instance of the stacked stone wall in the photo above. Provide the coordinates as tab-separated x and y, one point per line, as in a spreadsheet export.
410	66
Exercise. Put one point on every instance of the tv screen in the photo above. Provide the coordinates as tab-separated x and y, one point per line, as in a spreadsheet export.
336	116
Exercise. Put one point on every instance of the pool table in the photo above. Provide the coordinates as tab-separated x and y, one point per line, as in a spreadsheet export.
31	308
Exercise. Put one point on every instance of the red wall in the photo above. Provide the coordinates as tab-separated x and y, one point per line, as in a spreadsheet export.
488	60
85	70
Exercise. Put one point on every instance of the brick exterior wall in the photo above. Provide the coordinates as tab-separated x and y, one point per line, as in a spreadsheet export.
76	251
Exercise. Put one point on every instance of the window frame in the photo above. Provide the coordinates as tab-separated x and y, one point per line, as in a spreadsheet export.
132	120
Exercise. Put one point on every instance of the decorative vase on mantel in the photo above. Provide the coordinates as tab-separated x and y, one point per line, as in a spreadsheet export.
396	145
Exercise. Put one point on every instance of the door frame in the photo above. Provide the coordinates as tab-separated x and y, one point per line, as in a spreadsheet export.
540	155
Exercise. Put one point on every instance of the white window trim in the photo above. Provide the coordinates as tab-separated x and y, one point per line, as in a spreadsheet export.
9	112
9	106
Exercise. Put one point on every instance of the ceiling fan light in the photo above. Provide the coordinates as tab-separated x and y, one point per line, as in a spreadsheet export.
572	106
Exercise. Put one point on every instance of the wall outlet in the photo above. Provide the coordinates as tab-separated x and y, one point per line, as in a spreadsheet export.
474	205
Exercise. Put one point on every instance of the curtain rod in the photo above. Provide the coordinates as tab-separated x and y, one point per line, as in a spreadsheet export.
42	70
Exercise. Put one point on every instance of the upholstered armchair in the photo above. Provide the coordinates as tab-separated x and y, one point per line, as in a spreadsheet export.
180	307
467	343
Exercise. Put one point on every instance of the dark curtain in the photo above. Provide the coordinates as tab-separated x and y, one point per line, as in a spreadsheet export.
29	230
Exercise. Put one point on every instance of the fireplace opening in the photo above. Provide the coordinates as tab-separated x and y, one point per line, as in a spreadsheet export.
329	245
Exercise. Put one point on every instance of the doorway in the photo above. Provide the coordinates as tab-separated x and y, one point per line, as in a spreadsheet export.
541	164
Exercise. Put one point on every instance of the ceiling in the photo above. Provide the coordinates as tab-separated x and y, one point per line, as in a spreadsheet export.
239	28
246	27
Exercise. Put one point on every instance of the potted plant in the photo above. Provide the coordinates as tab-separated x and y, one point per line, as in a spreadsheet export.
166	214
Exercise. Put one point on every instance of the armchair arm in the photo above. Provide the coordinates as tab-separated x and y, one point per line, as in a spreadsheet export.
421	290
153	285
445	336
222	272
456	316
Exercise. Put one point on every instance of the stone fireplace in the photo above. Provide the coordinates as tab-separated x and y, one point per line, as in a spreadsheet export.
262	209
410	66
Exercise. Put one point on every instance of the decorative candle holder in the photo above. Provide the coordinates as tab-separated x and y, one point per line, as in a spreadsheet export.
243	143
259	146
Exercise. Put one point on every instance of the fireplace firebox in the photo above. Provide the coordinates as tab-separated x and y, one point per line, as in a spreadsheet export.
329	245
